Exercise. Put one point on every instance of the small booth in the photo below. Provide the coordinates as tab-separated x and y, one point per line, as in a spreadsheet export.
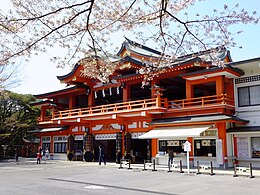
206	146
246	144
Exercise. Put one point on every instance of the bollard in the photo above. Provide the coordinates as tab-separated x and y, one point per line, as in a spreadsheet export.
251	171
169	167
144	169
181	171
120	167
154	165
129	164
211	169
235	170
198	168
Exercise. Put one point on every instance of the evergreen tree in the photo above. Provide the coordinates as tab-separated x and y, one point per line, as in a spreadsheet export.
17	119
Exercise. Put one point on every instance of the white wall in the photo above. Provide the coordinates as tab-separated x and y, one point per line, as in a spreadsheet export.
251	113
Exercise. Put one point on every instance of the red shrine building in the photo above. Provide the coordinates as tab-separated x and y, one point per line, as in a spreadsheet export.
191	99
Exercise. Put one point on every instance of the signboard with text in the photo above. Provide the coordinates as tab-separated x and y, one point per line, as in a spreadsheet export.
187	146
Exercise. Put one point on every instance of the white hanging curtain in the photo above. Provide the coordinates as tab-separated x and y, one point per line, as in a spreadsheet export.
117	90
243	96
254	95
103	91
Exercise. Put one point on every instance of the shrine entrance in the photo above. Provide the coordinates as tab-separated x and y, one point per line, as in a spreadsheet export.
109	147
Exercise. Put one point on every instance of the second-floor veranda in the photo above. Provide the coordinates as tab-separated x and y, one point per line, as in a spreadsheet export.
177	96
213	104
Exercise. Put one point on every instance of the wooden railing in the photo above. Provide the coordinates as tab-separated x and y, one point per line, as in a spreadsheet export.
44	119
113	108
158	102
201	101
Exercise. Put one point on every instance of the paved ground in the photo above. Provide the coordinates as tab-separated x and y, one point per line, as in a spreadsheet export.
63	177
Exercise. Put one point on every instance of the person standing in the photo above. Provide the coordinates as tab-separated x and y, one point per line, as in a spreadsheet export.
39	156
46	153
101	155
16	155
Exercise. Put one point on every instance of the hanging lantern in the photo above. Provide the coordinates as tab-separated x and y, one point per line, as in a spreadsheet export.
95	94
110	91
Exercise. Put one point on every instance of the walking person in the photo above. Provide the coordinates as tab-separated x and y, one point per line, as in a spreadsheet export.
171	155
39	156
101	155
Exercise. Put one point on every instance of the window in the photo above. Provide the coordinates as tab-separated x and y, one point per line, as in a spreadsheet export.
60	147
255	147
205	147
46	139
249	96
60	138
242	147
46	145
176	145
162	146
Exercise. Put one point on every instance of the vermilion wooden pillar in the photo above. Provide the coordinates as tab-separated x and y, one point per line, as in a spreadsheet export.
223	135
192	145
153	92
229	88
91	99
51	149
220	85
126	93
123	143
43	113
189	89
154	144
235	145
71	101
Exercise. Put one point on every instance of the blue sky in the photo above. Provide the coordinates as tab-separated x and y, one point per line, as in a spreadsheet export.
39	75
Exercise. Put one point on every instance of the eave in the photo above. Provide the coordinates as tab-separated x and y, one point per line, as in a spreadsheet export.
45	102
228	72
244	129
62	92
244	61
71	73
206	119
128	42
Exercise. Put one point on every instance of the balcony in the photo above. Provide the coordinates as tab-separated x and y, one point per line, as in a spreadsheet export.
202	105
201	101
111	111
142	108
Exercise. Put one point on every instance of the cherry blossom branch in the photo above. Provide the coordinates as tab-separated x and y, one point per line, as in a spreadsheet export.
51	13
49	33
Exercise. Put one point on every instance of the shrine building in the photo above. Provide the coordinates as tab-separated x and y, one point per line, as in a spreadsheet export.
192	99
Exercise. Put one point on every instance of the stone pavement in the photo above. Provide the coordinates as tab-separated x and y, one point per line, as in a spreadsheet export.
66	177
240	171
